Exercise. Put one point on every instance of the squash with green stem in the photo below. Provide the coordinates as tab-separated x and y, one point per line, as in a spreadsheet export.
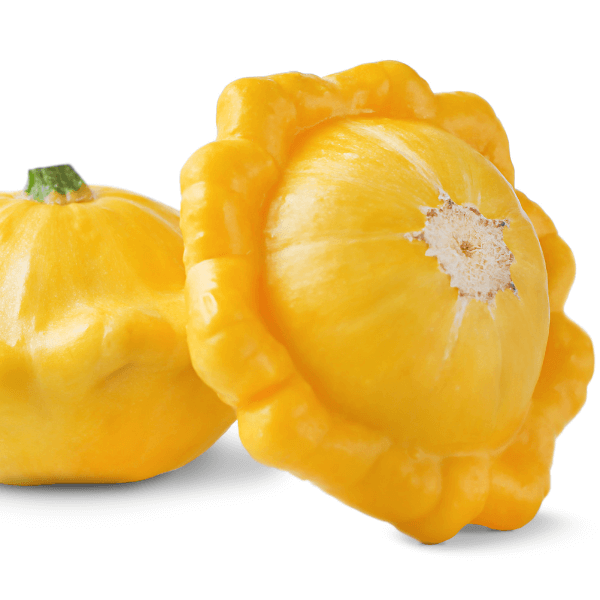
96	383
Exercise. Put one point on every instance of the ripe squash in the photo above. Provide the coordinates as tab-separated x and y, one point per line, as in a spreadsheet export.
381	306
96	383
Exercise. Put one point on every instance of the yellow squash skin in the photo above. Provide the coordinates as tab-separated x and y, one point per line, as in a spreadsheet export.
96	383
318	311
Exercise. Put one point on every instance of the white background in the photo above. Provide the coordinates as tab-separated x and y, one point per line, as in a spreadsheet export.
126	91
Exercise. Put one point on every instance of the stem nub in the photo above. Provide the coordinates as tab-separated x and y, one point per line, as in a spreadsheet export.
470	248
60	184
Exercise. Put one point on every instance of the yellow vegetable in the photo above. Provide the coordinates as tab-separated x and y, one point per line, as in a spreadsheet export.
96	383
383	309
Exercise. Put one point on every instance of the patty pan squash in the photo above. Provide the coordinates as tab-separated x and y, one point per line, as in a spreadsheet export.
96	383
380	305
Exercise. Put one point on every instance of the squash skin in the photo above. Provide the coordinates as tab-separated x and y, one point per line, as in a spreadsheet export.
96	382
237	329
370	319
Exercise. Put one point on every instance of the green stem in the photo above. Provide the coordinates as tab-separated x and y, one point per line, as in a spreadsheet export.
61	179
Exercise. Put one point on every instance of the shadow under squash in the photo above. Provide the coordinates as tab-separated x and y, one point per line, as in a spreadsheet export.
225	465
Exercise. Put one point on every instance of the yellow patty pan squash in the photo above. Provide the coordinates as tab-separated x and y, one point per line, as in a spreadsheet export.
381	306
96	382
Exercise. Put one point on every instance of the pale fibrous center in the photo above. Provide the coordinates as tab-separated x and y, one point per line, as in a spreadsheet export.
469	248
